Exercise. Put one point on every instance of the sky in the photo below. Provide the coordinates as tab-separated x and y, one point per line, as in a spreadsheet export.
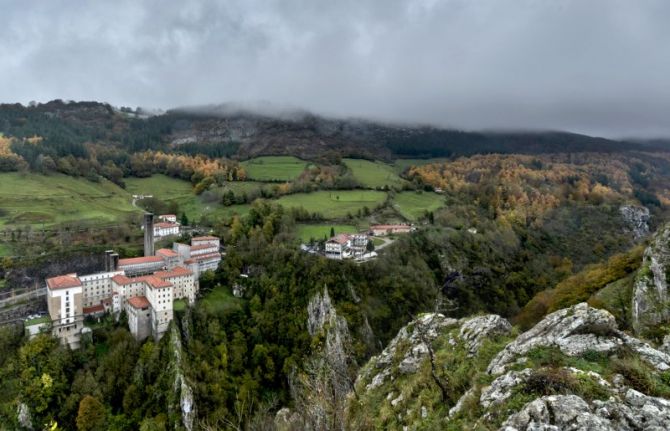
600	67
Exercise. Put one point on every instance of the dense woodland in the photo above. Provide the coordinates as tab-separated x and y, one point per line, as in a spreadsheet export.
520	235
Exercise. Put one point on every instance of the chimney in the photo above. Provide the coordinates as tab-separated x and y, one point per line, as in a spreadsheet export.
148	234
108	254
114	262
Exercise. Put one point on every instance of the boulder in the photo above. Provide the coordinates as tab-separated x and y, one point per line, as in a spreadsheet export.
574	331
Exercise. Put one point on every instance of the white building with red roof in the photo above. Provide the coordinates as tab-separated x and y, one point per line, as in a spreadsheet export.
65	304
343	246
142	265
170	218
144	287
164	228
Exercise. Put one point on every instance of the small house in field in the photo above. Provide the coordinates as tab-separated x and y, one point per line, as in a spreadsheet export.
388	229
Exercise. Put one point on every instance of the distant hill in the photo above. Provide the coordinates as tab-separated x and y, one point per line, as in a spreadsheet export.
226	130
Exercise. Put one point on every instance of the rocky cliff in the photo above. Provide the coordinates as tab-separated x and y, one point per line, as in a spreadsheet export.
650	292
574	370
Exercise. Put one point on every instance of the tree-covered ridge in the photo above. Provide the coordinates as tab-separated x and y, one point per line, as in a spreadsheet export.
521	188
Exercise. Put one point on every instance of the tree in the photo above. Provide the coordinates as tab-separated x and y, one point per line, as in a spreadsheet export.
91	415
370	246
184	219
332	232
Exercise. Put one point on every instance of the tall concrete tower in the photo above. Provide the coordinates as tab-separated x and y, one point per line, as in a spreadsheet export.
148	234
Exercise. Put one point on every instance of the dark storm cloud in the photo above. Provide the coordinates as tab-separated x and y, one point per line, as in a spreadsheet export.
595	66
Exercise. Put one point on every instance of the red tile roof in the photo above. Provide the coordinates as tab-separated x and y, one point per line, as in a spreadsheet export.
202	247
155	282
167	252
340	239
94	309
205	238
121	279
176	272
139	302
391	226
165	225
207	256
140	260
63	282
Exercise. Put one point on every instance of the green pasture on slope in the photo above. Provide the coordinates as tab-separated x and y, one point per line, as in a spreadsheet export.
320	231
413	205
334	204
169	189
373	174
274	168
35	199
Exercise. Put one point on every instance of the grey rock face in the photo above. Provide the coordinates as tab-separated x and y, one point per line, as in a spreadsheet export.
288	420
554	413
650	292
633	411
574	331
23	416
637	220
319	311
474	331
430	326
414	336
181	386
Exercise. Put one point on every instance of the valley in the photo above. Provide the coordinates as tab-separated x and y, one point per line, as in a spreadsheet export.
519	236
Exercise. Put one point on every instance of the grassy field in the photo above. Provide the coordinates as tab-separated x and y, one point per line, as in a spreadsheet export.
401	164
413	205
170	189
33	199
43	319
274	168
219	300
373	174
334	204
5	249
319	231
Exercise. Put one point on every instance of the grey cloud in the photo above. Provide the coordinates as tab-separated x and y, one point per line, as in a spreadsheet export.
596	66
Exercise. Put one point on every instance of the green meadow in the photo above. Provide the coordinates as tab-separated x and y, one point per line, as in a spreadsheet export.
34	199
373	174
319	231
334	204
413	205
274	168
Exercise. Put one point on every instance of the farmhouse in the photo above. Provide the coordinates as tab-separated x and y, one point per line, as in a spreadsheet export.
387	229
169	218
345	246
163	229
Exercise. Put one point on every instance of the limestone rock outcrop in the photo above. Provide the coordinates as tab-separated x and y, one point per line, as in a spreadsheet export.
635	411
650	292
637	220
413	339
575	331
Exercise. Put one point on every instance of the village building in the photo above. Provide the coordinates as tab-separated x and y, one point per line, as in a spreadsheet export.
202	255
388	229
163	229
344	246
144	287
64	300
169	218
141	265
